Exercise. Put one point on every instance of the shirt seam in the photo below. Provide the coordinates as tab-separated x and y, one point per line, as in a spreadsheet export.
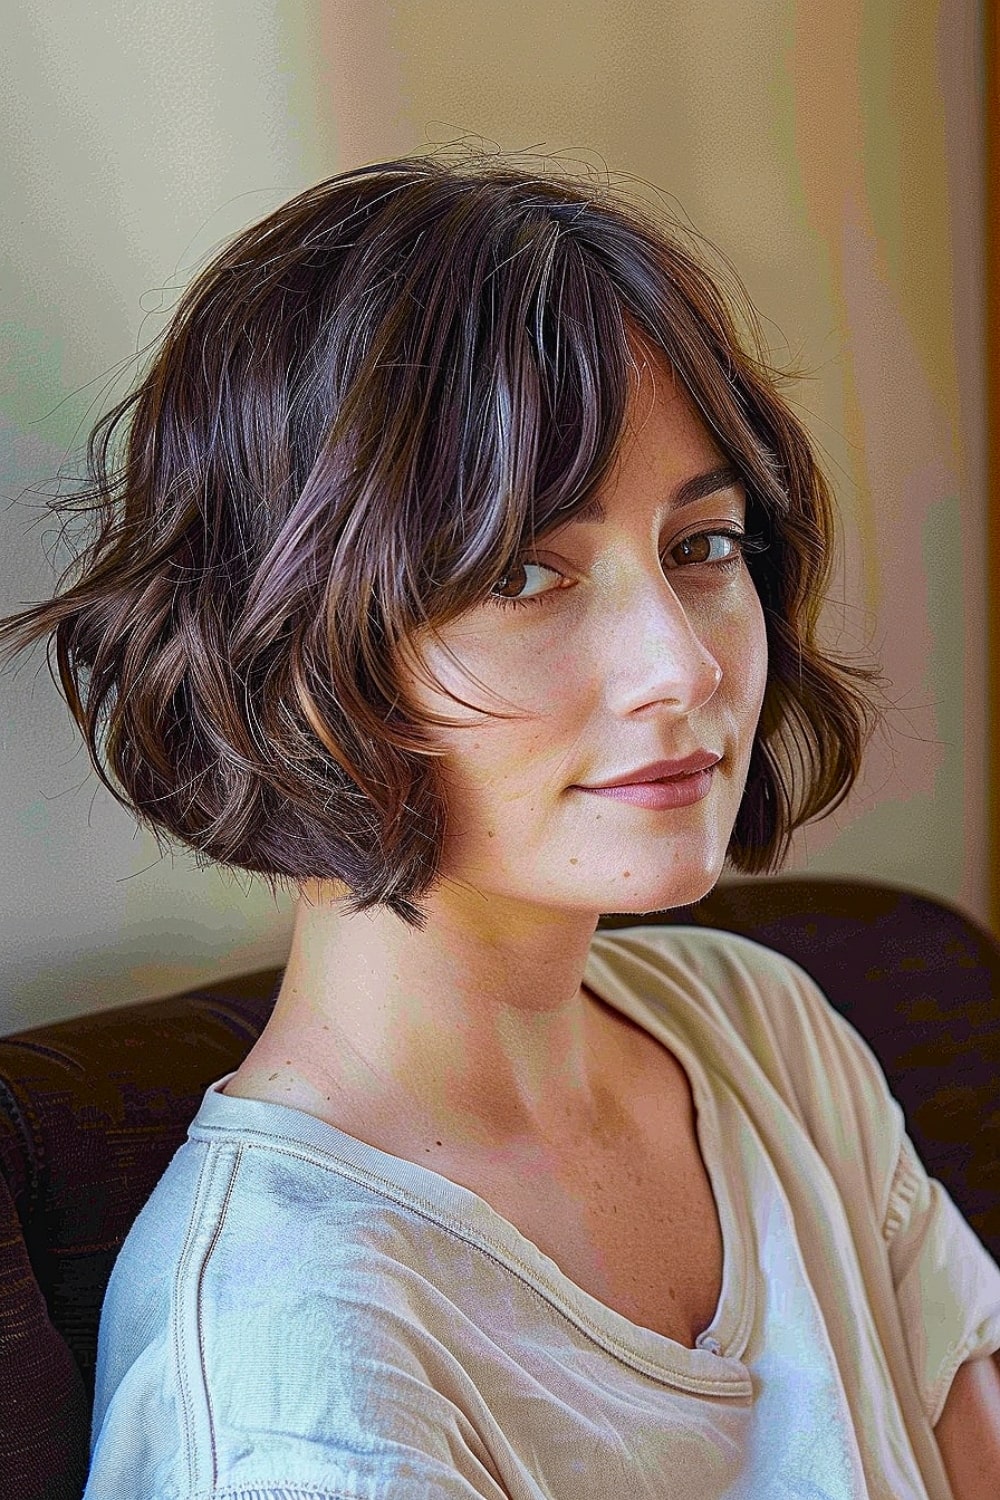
290	1491
226	1159
270	1490
903	1189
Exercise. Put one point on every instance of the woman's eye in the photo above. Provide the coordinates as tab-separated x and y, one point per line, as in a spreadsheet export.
698	548
515	578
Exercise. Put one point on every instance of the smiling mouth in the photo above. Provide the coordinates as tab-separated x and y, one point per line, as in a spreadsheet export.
666	792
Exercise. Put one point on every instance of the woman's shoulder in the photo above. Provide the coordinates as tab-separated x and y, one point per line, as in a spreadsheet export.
250	1240
725	975
253	1278
739	1001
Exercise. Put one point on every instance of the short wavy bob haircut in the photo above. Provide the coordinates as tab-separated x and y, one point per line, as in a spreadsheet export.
361	412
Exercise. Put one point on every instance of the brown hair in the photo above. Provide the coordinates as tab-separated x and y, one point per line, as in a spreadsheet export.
362	410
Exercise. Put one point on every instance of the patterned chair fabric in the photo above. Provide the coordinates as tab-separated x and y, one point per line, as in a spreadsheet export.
92	1109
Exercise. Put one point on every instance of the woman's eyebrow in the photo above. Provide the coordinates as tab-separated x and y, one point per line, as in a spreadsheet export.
695	488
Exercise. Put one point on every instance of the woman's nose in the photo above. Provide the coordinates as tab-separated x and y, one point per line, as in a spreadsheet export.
660	656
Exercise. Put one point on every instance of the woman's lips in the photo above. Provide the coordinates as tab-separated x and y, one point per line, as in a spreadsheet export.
672	791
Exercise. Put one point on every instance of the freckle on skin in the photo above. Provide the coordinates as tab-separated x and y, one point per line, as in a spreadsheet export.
574	861
626	873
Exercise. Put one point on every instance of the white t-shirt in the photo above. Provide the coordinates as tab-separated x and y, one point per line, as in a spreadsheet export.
296	1315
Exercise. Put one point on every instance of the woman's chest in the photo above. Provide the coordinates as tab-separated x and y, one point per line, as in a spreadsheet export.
633	1222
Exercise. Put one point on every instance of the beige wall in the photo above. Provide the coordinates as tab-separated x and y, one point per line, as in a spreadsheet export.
832	154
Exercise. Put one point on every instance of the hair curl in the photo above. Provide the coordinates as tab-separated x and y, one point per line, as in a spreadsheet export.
362	409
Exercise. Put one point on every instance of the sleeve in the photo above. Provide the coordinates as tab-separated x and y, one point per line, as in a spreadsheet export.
396	1471
947	1283
273	1465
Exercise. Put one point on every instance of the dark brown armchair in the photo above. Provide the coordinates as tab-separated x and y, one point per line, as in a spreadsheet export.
92	1109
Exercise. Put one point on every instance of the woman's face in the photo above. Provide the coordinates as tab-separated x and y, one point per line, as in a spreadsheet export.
630	643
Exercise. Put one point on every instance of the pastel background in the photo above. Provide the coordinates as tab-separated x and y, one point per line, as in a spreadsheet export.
833	154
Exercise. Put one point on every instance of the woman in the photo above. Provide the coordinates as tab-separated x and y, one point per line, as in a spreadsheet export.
462	568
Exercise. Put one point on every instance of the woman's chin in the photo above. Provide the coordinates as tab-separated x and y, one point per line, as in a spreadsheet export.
659	896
